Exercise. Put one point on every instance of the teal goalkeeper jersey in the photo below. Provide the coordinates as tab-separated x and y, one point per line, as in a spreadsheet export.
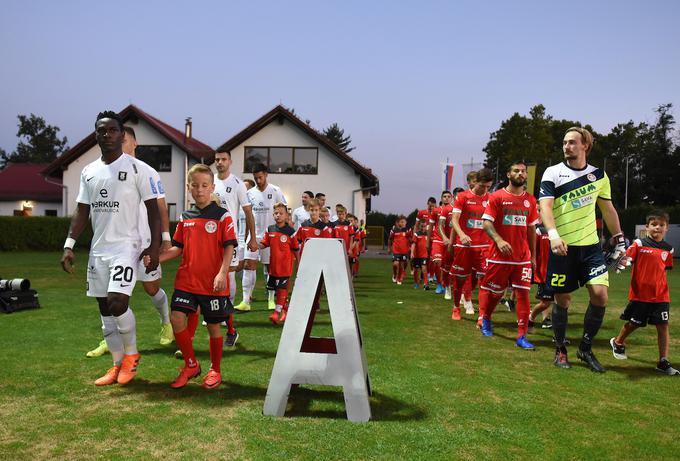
575	193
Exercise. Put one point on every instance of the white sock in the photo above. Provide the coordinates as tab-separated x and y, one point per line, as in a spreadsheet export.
112	338
127	327
160	302
232	286
249	278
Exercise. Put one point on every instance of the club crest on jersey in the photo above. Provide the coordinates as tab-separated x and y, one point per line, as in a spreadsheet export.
664	255
122	175
269	196
283	238
591	177
228	190
526	203
317	232
485	203
211	227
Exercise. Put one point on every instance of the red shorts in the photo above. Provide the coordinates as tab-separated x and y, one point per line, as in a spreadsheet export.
499	276
437	251
467	260
447	260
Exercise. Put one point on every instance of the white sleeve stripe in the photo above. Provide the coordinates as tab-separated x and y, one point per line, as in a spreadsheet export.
488	217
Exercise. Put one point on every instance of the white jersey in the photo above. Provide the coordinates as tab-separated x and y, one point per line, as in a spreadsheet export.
263	206
157	189
113	193
233	195
300	215
241	234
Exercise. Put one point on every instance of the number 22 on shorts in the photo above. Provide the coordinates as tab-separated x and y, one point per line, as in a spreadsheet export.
558	280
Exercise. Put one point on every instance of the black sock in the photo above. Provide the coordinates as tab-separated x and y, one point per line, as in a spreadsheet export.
559	323
592	322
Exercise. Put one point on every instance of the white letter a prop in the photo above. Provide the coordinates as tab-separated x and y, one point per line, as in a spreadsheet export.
338	361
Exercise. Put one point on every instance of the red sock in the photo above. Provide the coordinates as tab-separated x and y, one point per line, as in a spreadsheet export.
216	353
281	295
425	278
522	308
192	324
185	342
230	324
487	303
415	276
458	288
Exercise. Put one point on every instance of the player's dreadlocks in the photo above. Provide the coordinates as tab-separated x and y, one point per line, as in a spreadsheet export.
112	115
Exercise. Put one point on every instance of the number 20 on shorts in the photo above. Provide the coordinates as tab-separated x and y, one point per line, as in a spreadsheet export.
558	280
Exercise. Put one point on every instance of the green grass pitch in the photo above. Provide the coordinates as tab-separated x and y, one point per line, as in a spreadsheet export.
440	390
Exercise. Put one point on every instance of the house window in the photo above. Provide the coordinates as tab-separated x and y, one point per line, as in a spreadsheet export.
283	160
158	157
50	212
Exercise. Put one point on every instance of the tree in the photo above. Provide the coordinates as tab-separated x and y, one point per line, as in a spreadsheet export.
337	135
38	142
3	158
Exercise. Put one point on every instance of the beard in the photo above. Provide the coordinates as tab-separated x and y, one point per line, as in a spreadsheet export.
518	182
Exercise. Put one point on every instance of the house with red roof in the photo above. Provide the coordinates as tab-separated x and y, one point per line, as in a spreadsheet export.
25	192
169	150
300	158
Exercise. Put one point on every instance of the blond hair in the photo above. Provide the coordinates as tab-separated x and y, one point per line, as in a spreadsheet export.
200	168
280	205
586	136
314	202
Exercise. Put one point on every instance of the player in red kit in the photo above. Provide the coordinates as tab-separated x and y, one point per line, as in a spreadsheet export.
510	220
471	242
283	247
544	294
444	227
343	229
419	254
313	227
424	217
399	242
359	237
205	237
649	300
436	242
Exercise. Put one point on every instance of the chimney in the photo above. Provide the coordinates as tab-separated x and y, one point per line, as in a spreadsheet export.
187	130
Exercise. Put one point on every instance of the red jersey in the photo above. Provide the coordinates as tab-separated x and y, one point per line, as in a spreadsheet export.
202	234
542	253
651	259
420	245
510	215
345	231
445	217
309	230
282	245
471	208
359	236
423	215
401	240
434	224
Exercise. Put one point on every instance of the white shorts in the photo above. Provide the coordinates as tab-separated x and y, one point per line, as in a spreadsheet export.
142	276
112	274
257	255
240	251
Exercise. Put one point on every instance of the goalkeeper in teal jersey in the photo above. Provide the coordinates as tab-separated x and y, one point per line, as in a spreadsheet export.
568	195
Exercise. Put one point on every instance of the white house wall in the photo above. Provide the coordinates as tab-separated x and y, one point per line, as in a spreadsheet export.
173	181
335	178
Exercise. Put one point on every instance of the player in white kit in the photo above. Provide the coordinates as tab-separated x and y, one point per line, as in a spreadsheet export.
263	197
233	197
301	213
151	281
111	189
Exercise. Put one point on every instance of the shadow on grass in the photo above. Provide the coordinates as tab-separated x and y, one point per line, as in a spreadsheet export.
383	407
636	373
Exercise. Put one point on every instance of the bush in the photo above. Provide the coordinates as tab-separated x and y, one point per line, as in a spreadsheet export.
41	233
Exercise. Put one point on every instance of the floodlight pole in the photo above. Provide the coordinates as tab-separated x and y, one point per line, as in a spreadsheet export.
625	200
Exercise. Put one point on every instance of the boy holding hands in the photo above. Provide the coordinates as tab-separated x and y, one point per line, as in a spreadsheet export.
649	302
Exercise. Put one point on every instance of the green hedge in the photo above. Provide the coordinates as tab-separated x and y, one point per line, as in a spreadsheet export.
637	214
43	233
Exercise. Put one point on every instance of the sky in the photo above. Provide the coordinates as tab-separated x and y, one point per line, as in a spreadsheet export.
412	82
